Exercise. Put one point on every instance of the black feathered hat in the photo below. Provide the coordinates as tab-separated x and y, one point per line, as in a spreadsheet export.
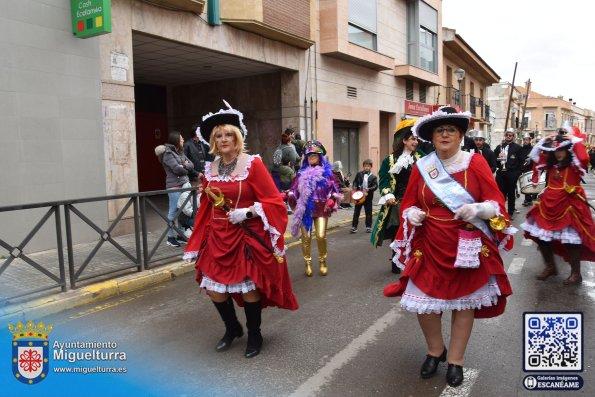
444	115
223	116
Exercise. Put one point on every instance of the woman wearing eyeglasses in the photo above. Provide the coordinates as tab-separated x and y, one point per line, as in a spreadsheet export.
452	200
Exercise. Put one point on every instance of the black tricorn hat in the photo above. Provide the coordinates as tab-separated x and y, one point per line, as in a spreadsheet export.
444	115
223	116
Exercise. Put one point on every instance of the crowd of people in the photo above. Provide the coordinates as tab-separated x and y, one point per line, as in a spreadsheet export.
441	186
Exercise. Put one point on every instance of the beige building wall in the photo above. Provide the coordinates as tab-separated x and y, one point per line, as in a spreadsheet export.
117	70
379	104
51	141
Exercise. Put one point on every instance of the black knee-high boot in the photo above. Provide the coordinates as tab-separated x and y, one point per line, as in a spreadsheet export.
233	328
253	319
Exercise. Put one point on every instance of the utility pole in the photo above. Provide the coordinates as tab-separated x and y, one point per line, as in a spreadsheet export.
510	98
528	89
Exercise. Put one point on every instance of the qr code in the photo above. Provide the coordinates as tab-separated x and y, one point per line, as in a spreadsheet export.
553	341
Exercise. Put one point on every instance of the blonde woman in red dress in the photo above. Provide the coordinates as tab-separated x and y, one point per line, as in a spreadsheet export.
561	221
453	227
238	233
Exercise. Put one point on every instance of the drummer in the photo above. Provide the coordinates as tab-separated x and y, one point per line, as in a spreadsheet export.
526	165
367	183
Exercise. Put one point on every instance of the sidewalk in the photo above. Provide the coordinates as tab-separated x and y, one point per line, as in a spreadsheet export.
19	277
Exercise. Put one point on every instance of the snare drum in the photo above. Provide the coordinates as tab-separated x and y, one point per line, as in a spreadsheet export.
527	185
358	197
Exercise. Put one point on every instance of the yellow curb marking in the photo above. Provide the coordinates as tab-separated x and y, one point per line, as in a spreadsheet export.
108	305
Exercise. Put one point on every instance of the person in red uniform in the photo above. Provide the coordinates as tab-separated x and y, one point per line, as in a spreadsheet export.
561	221
238	232
452	200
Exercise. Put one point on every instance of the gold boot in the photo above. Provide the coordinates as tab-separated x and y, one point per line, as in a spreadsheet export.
320	224
308	267
323	268
306	243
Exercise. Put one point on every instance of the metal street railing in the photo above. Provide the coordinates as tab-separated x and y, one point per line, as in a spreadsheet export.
138	258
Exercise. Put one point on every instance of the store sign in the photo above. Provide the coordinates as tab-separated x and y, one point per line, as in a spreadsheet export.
91	17
418	108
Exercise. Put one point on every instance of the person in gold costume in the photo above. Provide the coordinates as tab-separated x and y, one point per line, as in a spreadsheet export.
314	196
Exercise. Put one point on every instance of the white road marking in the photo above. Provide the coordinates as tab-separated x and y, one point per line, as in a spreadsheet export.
527	242
470	375
516	266
325	374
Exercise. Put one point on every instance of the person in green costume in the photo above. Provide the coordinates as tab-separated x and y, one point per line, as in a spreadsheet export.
394	175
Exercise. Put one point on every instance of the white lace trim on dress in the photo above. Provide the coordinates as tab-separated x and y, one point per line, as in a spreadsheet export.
242	287
228	178
468	251
568	235
415	300
273	232
397	245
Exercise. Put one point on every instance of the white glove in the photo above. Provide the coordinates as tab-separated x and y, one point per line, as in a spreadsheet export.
466	212
416	217
238	215
481	210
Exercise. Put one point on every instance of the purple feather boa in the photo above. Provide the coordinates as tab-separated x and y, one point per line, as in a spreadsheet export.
307	182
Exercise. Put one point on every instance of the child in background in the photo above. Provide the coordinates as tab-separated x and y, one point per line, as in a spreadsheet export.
367	183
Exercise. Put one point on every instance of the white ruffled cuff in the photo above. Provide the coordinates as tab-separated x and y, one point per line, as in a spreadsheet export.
273	232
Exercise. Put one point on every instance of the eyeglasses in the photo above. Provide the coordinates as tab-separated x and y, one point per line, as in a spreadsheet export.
449	130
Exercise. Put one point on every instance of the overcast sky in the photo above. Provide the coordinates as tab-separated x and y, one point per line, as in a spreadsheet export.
552	41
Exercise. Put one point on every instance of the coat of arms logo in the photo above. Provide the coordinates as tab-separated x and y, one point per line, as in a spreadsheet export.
432	171
30	351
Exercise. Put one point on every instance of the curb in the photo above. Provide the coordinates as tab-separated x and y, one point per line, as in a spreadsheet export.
103	290
93	293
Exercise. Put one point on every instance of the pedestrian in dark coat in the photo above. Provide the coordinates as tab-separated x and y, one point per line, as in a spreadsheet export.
484	149
509	168
527	165
198	153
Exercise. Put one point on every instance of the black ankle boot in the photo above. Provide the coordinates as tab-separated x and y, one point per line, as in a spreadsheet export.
430	366
253	319
233	328
454	375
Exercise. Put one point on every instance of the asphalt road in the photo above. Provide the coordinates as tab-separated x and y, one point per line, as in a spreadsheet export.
345	340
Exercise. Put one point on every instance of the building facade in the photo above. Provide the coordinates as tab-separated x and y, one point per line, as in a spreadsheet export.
82	116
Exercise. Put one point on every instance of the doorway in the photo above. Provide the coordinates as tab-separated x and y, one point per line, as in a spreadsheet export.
346	146
151	131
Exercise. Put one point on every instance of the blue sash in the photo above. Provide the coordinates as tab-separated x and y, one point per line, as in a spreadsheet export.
448	189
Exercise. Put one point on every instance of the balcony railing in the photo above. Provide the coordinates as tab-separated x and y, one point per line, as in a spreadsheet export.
473	102
455	96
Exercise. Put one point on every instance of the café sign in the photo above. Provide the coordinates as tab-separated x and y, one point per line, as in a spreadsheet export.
91	17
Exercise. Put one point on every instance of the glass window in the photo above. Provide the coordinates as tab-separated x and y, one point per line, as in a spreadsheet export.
361	37
422	35
363	23
550	120
422	93
409	90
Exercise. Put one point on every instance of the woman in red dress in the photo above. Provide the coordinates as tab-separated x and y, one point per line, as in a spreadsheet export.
447	249
238	232
561	221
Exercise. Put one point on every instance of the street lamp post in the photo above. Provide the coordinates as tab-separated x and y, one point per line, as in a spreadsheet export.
460	75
